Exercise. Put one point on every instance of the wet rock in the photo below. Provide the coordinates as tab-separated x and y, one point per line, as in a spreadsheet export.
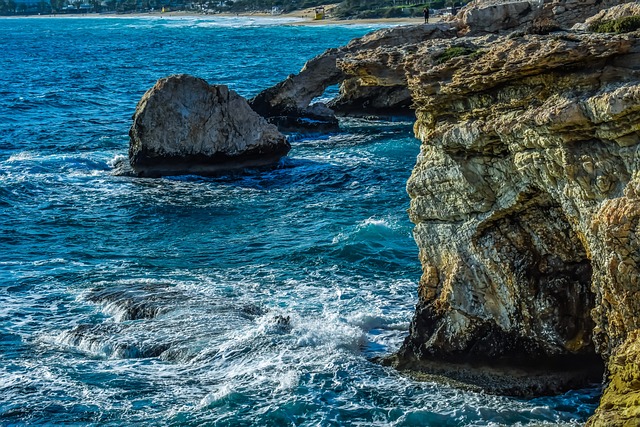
282	324
282	320
136	302
112	341
252	311
183	125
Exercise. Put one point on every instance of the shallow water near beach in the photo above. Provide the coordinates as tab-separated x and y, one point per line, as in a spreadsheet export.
250	299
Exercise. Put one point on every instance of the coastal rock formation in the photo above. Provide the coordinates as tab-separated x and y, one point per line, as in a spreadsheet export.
287	104
525	198
183	125
526	201
356	99
517	198
381	87
491	16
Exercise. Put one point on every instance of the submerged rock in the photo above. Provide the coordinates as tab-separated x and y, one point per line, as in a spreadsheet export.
183	125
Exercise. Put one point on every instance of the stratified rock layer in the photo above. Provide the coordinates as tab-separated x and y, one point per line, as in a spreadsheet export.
528	147
183	125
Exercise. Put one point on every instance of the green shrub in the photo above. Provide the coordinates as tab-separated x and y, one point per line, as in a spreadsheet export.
621	25
455	51
394	12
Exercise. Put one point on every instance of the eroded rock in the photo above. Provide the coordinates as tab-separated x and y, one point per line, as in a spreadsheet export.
287	104
492	16
183	125
525	202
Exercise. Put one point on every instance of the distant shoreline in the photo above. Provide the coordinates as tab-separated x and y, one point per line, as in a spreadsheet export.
296	18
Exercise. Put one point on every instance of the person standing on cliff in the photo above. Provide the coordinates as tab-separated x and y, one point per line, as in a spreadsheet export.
425	11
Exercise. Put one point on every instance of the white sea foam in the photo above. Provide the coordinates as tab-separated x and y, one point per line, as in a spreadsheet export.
330	333
49	261
209	21
288	380
216	396
21	156
375	222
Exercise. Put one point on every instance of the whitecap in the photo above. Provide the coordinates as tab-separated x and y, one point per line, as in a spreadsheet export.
215	396
329	332
108	341
50	261
117	160
21	156
288	380
375	222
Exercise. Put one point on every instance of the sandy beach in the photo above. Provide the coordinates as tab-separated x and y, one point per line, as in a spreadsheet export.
298	17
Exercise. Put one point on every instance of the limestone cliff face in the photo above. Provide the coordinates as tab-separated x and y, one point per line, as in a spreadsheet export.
524	196
526	204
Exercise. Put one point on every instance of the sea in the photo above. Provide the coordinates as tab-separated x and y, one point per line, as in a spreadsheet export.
261	298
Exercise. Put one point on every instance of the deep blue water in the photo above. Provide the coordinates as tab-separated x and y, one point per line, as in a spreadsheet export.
130	301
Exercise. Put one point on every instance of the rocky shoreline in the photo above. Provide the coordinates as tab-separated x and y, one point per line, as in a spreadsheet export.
525	195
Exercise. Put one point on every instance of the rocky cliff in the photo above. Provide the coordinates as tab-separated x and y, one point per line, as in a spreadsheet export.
183	125
525	199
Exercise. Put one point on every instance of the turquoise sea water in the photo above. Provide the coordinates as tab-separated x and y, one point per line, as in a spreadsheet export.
164	301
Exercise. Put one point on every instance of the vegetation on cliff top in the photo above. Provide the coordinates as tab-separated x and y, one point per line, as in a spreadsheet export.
621	25
455	51
359	9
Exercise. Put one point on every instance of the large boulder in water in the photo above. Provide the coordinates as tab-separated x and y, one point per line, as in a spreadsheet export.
183	125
